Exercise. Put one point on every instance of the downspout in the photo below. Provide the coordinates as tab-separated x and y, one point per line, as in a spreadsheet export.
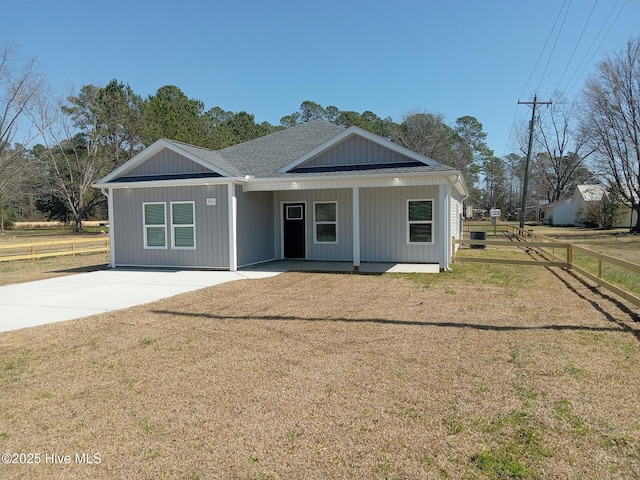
112	245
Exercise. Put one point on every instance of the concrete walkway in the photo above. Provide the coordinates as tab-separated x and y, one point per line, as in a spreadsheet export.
84	294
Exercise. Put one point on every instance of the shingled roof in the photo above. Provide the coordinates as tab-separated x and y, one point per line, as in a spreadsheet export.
263	156
284	154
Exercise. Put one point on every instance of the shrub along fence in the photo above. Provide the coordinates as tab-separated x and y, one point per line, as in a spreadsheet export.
597	267
52	248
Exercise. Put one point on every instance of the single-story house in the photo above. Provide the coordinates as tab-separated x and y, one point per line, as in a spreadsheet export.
316	191
569	211
560	212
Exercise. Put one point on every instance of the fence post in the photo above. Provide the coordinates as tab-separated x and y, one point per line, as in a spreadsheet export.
599	268
569	256
33	251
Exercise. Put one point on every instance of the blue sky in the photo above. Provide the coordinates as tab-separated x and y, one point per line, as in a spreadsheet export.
458	57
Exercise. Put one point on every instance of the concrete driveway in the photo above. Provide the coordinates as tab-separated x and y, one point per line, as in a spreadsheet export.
75	296
84	294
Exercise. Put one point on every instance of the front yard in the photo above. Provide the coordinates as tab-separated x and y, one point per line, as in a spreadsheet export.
487	372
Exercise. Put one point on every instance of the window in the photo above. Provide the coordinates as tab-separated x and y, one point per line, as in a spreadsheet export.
183	228
325	223
420	221
294	212
155	226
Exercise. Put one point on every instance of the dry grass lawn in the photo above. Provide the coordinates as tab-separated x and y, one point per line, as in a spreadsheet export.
42	268
487	372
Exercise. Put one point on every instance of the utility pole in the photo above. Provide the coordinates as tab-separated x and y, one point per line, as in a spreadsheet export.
523	206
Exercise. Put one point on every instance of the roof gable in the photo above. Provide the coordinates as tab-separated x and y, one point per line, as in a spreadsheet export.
356	149
166	158
167	161
356	153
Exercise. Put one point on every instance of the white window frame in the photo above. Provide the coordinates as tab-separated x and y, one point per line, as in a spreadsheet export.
183	225
145	226
420	222
301	217
316	223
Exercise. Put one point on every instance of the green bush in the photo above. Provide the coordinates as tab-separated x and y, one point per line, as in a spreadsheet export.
8	219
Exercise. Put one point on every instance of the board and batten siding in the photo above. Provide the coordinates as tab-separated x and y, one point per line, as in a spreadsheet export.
167	162
255	227
340	251
211	226
383	225
356	150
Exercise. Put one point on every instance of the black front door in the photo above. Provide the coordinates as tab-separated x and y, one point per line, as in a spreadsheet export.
294	230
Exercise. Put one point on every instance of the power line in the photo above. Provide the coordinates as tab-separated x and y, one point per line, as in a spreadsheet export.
598	47
543	48
554	47
577	43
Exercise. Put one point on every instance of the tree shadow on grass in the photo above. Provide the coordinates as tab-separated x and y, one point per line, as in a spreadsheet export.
386	321
617	304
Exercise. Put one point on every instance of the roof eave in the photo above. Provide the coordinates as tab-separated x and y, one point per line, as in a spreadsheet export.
450	177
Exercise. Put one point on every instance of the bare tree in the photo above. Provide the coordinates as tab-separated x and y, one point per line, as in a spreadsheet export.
560	163
70	160
611	120
20	86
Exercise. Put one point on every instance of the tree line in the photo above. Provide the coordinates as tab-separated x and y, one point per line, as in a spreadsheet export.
52	149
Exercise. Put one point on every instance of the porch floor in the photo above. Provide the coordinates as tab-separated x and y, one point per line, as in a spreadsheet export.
345	267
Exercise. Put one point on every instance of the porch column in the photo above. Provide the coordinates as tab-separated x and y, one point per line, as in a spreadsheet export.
356	228
233	222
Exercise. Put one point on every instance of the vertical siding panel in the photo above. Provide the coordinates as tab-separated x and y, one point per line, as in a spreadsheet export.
211	224
255	226
384	225
167	162
356	150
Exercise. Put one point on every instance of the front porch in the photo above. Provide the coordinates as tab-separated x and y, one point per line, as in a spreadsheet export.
342	267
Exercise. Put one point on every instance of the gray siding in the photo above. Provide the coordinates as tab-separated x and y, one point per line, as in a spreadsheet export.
255	227
383	225
356	151
166	162
211	224
341	251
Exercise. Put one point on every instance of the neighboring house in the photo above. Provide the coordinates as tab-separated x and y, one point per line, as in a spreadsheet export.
569	211
561	212
315	191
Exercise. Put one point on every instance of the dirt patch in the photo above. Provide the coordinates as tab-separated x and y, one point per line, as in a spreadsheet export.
490	369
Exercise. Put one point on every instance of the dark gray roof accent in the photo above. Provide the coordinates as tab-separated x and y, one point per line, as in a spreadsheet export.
374	170
171	176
